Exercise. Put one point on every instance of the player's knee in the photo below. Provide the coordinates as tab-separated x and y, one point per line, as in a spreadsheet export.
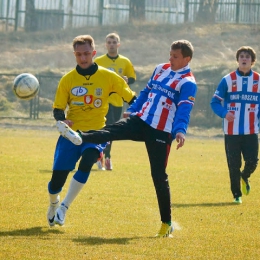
58	180
251	166
89	157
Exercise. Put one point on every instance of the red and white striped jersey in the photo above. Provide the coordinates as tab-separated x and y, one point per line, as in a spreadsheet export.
241	96
166	101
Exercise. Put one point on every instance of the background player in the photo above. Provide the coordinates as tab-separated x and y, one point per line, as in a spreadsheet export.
240	93
120	64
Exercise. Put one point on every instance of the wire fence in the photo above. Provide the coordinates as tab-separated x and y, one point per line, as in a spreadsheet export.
62	14
41	105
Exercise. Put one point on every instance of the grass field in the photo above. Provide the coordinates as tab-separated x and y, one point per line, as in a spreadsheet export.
116	215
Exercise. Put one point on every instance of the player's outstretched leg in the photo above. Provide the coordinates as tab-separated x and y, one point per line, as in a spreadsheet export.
165	231
68	133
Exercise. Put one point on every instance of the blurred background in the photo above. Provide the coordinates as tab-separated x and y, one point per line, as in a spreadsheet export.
36	37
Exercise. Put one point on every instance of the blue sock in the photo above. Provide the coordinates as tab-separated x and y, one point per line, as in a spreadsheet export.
81	176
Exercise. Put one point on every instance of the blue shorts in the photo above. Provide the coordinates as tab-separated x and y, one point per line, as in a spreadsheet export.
67	154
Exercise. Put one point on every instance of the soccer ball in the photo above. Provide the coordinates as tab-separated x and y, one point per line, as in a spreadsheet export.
26	86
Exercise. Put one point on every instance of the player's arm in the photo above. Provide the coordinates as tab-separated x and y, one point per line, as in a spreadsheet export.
130	73
130	81
60	103
185	105
59	114
218	98
143	95
141	99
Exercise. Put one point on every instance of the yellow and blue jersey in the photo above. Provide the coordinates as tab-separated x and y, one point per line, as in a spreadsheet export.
86	97
121	66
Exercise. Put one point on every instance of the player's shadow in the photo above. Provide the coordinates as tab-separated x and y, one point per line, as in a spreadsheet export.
188	205
45	171
34	231
101	241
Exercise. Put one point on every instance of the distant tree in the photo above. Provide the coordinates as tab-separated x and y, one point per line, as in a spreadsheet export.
136	10
207	11
30	17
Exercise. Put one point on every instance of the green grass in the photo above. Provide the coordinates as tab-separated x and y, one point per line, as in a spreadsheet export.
116	214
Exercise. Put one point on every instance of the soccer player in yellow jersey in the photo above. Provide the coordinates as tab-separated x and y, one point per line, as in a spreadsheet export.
120	64
81	102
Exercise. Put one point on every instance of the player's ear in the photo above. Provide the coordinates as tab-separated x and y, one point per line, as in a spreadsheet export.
188	59
94	53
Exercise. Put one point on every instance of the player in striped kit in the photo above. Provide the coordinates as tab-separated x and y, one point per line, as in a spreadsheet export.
159	115
239	91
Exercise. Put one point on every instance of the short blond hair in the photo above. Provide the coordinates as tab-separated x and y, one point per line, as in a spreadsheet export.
113	36
83	39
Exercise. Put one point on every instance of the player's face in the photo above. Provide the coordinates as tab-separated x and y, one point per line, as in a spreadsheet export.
84	54
112	46
244	61
177	61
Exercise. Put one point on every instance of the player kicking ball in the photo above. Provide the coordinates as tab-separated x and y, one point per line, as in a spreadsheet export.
158	116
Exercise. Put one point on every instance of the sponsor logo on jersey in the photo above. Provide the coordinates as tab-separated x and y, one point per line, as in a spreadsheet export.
120	71
76	103
112	69
167	106
244	97
88	99
234	83
79	91
234	97
232	108
98	92
255	85
169	93
249	97
98	103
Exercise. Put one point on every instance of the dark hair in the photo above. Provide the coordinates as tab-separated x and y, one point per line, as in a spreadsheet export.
83	39
249	50
185	46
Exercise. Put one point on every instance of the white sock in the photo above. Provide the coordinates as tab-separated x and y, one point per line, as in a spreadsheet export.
54	198
74	189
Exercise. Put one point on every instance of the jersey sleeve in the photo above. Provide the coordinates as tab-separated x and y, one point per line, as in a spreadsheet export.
130	72
138	103
120	87
62	95
142	98
182	117
217	99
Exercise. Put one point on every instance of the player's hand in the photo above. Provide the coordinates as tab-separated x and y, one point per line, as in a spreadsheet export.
180	139
126	114
230	117
68	122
